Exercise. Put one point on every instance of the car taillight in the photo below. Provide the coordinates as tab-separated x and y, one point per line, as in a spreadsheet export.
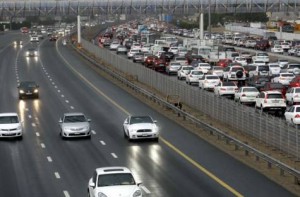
243	94
265	101
297	116
223	88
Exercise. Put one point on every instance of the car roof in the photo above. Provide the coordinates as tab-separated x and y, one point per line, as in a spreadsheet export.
272	92
27	82
8	114
73	114
112	170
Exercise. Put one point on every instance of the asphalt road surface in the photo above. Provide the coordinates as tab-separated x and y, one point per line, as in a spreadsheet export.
42	164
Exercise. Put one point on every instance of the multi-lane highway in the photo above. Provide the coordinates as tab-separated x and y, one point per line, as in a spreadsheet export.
42	164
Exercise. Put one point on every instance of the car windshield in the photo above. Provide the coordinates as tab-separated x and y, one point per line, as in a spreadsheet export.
28	84
295	66
140	119
274	66
250	90
187	68
79	118
274	96
228	84
204	65
212	77
263	68
196	72
179	58
8	119
276	85
297	90
115	179
236	69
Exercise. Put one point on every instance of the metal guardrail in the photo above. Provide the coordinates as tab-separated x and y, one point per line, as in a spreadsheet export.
206	127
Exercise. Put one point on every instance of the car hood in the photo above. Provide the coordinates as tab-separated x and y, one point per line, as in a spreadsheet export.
9	126
75	125
118	191
142	126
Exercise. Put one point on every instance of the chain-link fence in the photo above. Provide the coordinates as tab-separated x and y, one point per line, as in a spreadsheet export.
265	127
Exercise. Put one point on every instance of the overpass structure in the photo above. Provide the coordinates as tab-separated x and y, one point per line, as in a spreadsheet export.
23	8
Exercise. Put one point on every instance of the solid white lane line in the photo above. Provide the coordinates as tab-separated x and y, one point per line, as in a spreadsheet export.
43	145
33	124
145	189
103	143
49	159
57	175
50	79
66	193
27	109
53	83
37	134
93	132
114	155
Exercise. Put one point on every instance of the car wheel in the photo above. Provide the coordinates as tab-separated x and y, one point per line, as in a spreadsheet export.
156	139
240	101
61	135
125	136
20	137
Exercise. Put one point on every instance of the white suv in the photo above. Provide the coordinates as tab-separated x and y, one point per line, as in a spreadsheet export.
113	181
10	125
234	73
270	101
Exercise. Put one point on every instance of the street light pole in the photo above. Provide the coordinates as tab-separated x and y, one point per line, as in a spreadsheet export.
209	19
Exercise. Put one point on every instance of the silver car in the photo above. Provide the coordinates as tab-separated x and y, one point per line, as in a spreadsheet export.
74	125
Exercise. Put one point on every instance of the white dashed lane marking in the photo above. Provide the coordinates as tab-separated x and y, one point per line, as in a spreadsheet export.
145	189
103	143
93	132
67	101
55	87
37	134
62	95
66	193
43	145
57	175
49	159
33	124
29	116
72	107
114	155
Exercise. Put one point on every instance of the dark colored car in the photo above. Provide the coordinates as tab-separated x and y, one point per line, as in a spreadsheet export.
274	86
31	52
262	45
159	65
295	82
149	61
190	57
128	44
167	56
258	81
224	62
106	42
28	89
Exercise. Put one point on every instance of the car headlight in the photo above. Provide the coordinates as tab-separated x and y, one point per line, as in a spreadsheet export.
21	91
36	91
131	130
27	53
35	53
100	194
137	193
66	129
19	127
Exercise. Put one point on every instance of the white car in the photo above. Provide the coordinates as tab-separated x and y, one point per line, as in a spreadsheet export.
226	89
174	50
131	53
10	125
284	78
234	73
204	67
258	63
217	70
274	69
270	101
136	46
114	45
282	62
146	48
293	95
34	39
182	51
183	71
262	56
246	95
74	125
292	115
173	67
181	60
140	127
240	60
285	46
277	49
250	43
209	81
193	76
113	181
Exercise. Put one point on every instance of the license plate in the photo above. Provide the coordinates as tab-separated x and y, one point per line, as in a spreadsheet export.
28	93
275	101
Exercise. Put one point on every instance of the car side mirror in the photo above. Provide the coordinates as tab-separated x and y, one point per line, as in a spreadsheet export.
125	122
60	121
92	184
155	121
89	120
139	183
